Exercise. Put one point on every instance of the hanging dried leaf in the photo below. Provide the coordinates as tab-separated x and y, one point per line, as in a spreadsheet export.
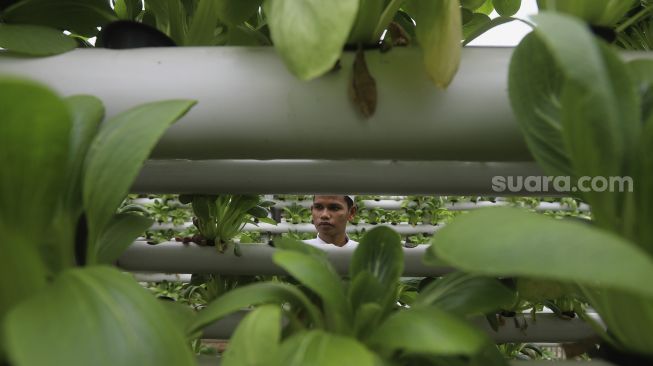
362	89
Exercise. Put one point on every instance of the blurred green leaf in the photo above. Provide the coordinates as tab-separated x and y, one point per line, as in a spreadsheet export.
466	294
309	35
128	9
116	156
102	314
119	234
317	274
234	12
506	8
255	294
82	17
427	331
439	31
34	40
256	340
319	348
203	23
537	246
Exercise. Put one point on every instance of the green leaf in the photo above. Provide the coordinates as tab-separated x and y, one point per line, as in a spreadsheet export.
203	23
101	314
119	234
234	12
78	16
535	100
170	18
471	4
34	138
255	294
596	12
256	340
183	316
439	31
379	254
536	246
364	29
318	348
116	156
465	294
600	109
34	145
309	35
317	274
506	8
427	331
33	40
128	9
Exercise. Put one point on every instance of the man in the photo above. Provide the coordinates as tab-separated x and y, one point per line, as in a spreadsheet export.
330	216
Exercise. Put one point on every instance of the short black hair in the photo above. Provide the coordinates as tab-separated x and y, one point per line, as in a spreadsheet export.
350	202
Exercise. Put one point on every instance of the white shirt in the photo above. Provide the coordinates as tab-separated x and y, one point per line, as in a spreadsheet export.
317	242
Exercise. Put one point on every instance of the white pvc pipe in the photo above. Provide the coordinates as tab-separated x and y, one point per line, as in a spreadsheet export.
283	227
256	259
380	177
251	107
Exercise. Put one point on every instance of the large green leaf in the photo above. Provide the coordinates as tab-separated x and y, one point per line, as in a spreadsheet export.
87	113
379	254
256	340
309	35
506	8
597	12
518	243
466	294
78	16
94	316
34	138
234	12
34	40
319	276
428	331
627	317
116	156
170	18
535	100
600	108
121	232
298	246
128	9
364	30
439	32
203	23
255	294
319	348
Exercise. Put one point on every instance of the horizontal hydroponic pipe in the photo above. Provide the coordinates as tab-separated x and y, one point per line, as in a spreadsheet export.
546	328
215	361
251	107
331	176
256	259
283	227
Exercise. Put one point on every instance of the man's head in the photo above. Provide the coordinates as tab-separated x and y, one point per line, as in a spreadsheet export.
330	215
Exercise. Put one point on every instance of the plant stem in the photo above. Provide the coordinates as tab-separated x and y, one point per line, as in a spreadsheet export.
634	19
386	17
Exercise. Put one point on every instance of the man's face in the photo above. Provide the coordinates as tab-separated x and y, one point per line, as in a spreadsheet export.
330	214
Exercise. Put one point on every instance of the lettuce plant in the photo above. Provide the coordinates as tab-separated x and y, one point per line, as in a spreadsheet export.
66	174
585	112
357	320
220	218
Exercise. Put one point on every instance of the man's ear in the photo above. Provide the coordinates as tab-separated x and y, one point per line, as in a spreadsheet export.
352	212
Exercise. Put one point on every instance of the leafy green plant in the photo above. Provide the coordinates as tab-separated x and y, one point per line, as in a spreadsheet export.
356	320
220	218
584	113
297	214
65	173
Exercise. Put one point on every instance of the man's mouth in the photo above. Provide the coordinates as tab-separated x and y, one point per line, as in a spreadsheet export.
324	224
